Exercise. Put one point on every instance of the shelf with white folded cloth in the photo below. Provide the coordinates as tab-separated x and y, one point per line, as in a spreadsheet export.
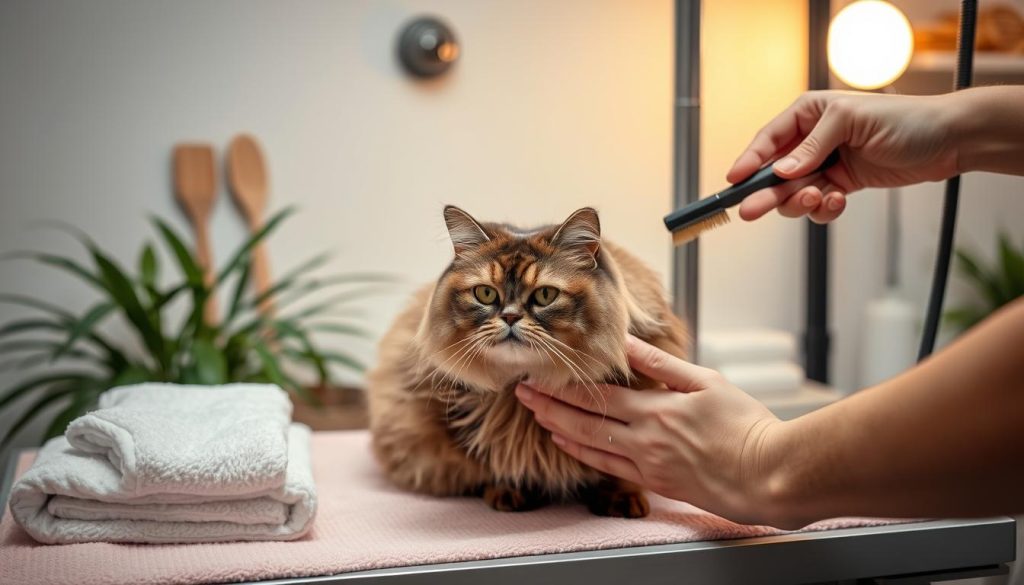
811	396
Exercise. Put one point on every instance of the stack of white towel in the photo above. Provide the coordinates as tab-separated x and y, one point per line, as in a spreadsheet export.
163	463
760	361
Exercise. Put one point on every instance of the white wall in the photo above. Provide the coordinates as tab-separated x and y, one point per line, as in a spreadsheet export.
553	106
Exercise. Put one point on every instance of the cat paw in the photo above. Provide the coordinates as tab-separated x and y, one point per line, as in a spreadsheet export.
505	499
618	504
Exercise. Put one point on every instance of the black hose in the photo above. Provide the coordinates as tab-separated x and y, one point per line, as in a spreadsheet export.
964	74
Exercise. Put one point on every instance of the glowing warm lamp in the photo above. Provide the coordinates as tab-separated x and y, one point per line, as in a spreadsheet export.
869	44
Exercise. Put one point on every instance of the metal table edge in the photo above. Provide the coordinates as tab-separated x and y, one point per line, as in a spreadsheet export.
616	562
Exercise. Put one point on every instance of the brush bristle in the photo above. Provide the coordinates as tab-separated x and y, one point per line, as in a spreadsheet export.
690	232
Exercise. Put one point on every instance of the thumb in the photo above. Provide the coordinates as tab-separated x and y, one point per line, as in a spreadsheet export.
661	366
826	136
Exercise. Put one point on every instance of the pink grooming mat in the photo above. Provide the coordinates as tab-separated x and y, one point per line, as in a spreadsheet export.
365	523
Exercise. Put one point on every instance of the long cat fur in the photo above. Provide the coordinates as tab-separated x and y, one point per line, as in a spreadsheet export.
443	414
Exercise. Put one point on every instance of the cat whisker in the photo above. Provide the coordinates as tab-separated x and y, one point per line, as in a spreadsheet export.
577	351
479	346
465	345
429	358
585	379
477	338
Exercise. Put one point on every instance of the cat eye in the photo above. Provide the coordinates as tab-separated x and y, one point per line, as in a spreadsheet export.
485	294
544	295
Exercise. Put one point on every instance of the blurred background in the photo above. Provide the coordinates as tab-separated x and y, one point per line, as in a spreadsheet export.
548	106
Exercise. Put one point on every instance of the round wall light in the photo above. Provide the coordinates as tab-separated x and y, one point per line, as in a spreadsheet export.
870	43
427	47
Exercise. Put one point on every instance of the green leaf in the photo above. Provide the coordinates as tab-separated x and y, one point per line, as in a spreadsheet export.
189	267
85	325
22	325
340	329
148	267
210	366
122	291
964	318
81	403
40	381
333	302
34	410
62	263
133	374
246	248
272	369
1013	268
47	345
116	359
240	286
40	358
344	360
169	296
304	288
982	279
34	303
270	366
290	277
287	330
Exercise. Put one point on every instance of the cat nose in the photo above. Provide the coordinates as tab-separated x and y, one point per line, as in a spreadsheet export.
511	317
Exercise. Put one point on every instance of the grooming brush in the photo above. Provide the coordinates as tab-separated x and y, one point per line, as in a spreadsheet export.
694	219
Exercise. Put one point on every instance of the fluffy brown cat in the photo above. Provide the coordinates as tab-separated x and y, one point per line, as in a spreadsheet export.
551	305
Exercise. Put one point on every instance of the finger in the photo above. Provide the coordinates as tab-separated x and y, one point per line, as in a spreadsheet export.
609	463
583	427
602	399
832	206
662	366
801	203
771	140
749	162
827	134
763	201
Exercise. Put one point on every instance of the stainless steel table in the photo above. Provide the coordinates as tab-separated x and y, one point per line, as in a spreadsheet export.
913	553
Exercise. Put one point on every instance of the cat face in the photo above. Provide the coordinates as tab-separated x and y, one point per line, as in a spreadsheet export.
539	303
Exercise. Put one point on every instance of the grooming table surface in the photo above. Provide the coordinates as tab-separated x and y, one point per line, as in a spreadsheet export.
365	524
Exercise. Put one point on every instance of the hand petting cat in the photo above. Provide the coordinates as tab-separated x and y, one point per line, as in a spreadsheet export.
699	439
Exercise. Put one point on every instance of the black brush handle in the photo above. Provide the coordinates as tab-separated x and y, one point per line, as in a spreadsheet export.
733	195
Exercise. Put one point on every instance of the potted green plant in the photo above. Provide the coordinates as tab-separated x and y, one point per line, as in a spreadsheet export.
995	285
246	345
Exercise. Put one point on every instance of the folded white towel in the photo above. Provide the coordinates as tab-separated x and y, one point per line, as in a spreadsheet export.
70	496
205	440
170	463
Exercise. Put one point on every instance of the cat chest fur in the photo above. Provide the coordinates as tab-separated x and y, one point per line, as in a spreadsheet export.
499	432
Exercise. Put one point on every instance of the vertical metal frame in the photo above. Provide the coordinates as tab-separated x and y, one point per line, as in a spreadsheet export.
686	157
817	340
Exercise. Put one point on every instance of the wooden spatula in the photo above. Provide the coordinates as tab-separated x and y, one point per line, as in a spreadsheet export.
195	185
247	177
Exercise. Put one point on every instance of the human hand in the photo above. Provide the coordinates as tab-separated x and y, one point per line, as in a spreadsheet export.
883	141
698	439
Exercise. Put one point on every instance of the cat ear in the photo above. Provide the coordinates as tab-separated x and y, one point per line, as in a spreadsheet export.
580	235
465	231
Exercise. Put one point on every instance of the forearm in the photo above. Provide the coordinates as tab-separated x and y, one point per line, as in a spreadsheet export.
944	439
987	127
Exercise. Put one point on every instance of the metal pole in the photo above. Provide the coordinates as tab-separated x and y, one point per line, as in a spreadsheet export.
964	76
816	338
686	157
